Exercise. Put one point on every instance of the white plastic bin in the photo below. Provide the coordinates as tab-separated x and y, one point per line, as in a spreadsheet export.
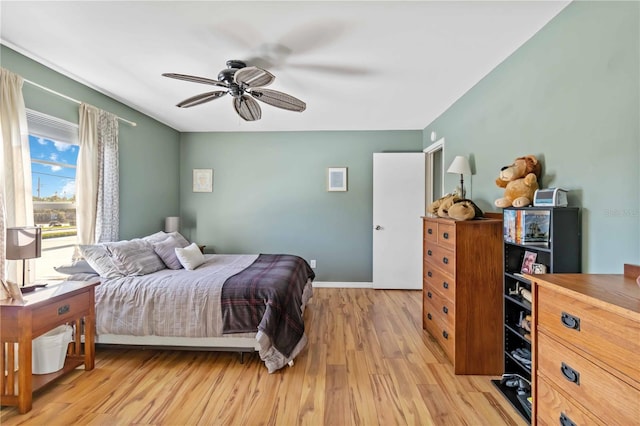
50	350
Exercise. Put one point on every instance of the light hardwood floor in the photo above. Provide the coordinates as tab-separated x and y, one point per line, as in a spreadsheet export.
368	362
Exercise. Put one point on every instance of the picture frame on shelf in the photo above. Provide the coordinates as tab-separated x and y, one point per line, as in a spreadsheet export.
538	268
528	260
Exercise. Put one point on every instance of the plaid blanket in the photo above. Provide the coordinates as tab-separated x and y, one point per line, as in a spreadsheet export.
267	296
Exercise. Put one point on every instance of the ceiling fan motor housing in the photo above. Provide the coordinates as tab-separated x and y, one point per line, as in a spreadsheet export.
233	65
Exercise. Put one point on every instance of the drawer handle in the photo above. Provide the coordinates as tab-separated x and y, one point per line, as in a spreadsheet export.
570	374
429	252
445	309
446	235
565	420
429	274
445	260
429	231
445	335
445	284
429	316
429	294
63	309
570	321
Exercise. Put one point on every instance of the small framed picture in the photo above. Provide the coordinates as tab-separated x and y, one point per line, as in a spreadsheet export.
336	179
527	262
10	290
202	180
538	268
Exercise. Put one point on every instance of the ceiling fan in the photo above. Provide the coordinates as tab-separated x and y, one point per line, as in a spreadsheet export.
243	84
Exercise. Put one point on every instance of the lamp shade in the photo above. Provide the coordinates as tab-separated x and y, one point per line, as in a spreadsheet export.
24	242
172	224
460	165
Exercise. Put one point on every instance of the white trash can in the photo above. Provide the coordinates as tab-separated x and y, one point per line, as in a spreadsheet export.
50	350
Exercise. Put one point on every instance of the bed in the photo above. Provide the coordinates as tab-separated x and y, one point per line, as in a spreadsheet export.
217	302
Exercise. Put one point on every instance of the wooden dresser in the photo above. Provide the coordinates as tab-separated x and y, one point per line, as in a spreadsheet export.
586	349
462	291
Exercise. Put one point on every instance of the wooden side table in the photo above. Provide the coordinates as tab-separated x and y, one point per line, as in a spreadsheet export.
68	303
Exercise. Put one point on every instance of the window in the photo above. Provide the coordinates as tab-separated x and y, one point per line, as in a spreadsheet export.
54	156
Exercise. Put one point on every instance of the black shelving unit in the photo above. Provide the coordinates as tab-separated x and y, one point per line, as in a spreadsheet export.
560	252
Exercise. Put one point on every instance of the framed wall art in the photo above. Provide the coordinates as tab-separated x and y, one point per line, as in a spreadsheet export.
202	180
336	179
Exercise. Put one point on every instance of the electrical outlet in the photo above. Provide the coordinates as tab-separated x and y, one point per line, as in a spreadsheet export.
313	263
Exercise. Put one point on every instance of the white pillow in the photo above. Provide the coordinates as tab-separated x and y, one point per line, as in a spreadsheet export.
190	257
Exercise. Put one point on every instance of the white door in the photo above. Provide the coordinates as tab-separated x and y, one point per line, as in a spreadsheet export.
398	204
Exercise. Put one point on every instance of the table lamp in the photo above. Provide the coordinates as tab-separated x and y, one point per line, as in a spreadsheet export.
172	224
460	165
24	242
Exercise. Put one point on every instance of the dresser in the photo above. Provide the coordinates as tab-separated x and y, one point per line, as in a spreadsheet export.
586	348
462	291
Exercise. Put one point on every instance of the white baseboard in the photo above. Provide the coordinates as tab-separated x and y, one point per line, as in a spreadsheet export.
333	284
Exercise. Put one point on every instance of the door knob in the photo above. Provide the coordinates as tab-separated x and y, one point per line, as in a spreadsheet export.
378	227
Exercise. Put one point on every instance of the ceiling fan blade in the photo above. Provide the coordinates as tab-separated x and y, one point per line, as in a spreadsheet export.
195	79
201	98
247	108
254	77
279	99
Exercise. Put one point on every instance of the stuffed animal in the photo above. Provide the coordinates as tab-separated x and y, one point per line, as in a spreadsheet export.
520	181
440	207
464	210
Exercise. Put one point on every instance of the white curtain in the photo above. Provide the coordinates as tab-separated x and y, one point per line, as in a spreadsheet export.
97	176
16	197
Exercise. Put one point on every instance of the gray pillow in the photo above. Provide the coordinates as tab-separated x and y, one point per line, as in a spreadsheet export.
135	257
156	237
166	249
101	261
80	266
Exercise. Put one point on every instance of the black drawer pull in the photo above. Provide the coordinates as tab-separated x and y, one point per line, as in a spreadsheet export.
429	294
445	309
446	235
570	321
429	316
445	284
429	231
570	374
429	274
429	252
565	420
445	335
63	309
445	260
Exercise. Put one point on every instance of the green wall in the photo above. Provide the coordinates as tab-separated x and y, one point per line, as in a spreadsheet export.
149	165
571	96
269	195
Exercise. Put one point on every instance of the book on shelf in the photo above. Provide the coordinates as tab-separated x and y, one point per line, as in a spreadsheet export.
526	226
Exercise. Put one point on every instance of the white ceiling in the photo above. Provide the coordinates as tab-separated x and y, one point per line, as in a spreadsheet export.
358	65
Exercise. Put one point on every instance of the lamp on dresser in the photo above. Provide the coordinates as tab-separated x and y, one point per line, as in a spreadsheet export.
24	242
460	165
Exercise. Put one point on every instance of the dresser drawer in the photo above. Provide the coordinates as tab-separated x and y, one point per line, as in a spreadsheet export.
441	258
442	306
438	328
447	235
444	283
430	231
613	339
552	406
60	312
607	397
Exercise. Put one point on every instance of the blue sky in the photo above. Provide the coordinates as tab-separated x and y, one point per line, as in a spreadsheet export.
54	178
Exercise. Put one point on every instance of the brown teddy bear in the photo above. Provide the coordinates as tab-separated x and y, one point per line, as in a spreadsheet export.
452	206
440	207
520	181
